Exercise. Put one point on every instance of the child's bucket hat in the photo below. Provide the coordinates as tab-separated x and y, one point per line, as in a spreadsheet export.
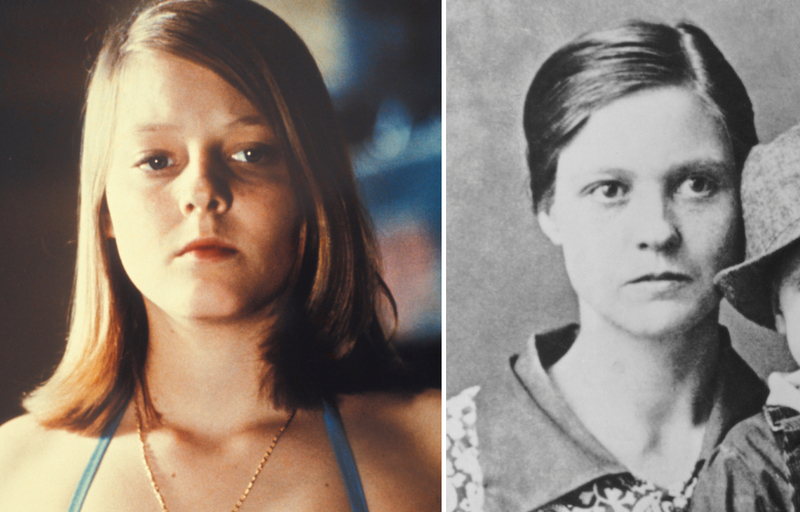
770	192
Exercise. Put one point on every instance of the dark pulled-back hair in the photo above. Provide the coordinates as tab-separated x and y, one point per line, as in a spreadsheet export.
601	67
328	338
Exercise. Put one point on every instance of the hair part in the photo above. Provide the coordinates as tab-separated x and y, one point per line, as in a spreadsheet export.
601	67
328	338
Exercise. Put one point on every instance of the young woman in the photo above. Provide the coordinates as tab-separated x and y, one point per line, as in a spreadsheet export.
636	140
225	347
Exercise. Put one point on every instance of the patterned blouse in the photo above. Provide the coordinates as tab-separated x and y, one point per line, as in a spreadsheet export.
619	492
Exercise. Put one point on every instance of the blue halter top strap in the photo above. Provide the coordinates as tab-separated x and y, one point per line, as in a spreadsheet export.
94	463
333	423
344	456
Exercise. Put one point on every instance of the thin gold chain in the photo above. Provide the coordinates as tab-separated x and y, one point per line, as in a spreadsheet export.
241	499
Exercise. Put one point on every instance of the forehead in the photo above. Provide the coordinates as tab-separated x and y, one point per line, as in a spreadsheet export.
159	89
647	132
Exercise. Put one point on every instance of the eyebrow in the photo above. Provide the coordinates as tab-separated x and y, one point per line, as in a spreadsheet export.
704	164
248	120
251	120
701	164
155	127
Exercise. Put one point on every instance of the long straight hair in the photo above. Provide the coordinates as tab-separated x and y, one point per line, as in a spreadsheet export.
329	338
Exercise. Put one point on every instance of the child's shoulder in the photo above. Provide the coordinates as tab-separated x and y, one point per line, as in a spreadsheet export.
771	436
749	438
746	470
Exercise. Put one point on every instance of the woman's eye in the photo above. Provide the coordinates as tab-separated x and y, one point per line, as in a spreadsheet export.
156	163
610	191
697	186
251	155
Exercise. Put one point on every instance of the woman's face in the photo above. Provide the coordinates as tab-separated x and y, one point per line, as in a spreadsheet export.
646	210
199	193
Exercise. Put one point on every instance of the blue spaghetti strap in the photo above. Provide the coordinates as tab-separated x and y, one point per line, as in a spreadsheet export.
347	465
333	423
94	463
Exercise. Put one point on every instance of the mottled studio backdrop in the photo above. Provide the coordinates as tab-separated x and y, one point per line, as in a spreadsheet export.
504	279
381	60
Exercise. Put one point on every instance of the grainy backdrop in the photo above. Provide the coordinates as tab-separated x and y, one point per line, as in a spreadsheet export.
504	279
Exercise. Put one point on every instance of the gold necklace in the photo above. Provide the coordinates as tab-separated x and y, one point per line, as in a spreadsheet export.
241	499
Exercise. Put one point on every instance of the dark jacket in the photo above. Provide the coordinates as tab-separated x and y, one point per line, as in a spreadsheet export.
533	449
754	467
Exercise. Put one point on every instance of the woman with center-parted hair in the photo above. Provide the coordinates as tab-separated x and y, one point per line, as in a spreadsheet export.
636	140
225	347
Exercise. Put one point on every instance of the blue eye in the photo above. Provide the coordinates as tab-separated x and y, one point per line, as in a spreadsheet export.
156	163
250	155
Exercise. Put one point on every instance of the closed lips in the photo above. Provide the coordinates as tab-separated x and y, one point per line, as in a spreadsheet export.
664	276
208	246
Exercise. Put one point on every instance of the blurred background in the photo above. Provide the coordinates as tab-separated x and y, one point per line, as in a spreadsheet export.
504	278
381	60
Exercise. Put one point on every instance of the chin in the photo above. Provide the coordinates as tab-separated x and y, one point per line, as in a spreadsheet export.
210	304
221	308
664	320
212	313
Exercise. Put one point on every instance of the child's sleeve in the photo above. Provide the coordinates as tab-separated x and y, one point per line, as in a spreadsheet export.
746	472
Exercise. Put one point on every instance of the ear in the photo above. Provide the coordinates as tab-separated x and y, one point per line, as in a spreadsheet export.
105	221
301	241
780	320
780	324
549	225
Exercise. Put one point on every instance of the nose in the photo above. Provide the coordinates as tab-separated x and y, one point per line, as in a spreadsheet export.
655	224
205	187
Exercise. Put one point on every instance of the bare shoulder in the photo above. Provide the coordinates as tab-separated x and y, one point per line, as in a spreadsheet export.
32	457
21	439
416	415
397	444
423	407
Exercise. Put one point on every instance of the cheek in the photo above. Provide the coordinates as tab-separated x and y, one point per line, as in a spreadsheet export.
591	254
715	236
119	209
274	221
125	213
138	218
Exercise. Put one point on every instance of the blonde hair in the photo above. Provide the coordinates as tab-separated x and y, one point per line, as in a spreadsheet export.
328	339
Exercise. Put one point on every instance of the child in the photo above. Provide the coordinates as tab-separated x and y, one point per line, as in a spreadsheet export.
757	466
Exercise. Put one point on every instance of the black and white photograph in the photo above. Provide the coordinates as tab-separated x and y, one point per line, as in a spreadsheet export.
622	272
